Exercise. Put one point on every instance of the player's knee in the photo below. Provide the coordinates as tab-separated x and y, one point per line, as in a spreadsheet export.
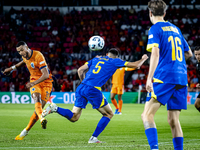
111	114
172	122
108	114
75	118
147	116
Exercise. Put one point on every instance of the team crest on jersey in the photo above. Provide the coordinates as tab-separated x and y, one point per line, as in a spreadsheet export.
33	89
32	65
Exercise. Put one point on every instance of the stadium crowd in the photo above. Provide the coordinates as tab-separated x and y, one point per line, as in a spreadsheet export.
63	39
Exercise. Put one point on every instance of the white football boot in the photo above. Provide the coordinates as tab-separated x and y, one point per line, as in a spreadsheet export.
94	140
50	109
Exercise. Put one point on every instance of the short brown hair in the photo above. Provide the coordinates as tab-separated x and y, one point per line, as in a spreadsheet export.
157	7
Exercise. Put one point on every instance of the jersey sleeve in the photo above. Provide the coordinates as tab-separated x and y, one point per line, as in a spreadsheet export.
153	38
119	63
41	61
89	63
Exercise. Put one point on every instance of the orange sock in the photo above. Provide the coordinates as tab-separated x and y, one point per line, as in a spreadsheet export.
120	105
115	103
34	118
38	109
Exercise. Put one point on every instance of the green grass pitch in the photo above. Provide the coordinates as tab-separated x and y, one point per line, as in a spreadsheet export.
124	132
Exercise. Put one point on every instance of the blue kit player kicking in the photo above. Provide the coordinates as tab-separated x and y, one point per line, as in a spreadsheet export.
100	70
168	71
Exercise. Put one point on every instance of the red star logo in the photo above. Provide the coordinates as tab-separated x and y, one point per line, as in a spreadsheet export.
189	98
51	99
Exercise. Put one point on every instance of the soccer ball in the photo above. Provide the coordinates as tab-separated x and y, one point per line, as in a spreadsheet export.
96	43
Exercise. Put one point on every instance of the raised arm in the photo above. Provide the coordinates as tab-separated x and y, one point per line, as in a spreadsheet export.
8	70
81	71
138	63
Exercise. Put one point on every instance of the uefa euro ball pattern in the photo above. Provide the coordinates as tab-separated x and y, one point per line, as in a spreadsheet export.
96	43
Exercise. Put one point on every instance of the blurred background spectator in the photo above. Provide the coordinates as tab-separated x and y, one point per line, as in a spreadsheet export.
63	39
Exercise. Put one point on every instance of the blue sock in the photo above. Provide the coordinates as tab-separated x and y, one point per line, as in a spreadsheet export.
178	143
65	113
152	137
101	126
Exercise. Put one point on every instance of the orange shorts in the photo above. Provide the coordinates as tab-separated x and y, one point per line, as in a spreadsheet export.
44	88
117	89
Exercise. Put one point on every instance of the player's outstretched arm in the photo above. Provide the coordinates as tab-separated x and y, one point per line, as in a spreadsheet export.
45	75
81	71
188	54
138	63
8	70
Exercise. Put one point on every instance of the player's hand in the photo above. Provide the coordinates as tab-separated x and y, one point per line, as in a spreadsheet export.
149	85
145	57
198	85
30	84
7	71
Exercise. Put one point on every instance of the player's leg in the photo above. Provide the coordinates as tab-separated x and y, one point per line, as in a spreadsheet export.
72	116
120	103
173	120
46	90
38	104
34	118
113	100
107	113
197	103
150	109
177	102
120	91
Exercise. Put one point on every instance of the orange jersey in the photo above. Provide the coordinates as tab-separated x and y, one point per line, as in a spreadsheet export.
118	76
35	64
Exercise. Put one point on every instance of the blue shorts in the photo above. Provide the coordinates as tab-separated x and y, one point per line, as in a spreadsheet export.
174	95
85	93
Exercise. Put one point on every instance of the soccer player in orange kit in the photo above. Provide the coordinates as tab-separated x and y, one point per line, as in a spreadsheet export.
118	88
40	83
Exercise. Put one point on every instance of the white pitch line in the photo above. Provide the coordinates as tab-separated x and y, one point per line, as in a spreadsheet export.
161	143
124	146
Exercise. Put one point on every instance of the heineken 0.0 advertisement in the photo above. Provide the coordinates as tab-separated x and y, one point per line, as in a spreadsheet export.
69	97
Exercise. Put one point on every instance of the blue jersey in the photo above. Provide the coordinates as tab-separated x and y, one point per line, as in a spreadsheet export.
101	69
171	66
